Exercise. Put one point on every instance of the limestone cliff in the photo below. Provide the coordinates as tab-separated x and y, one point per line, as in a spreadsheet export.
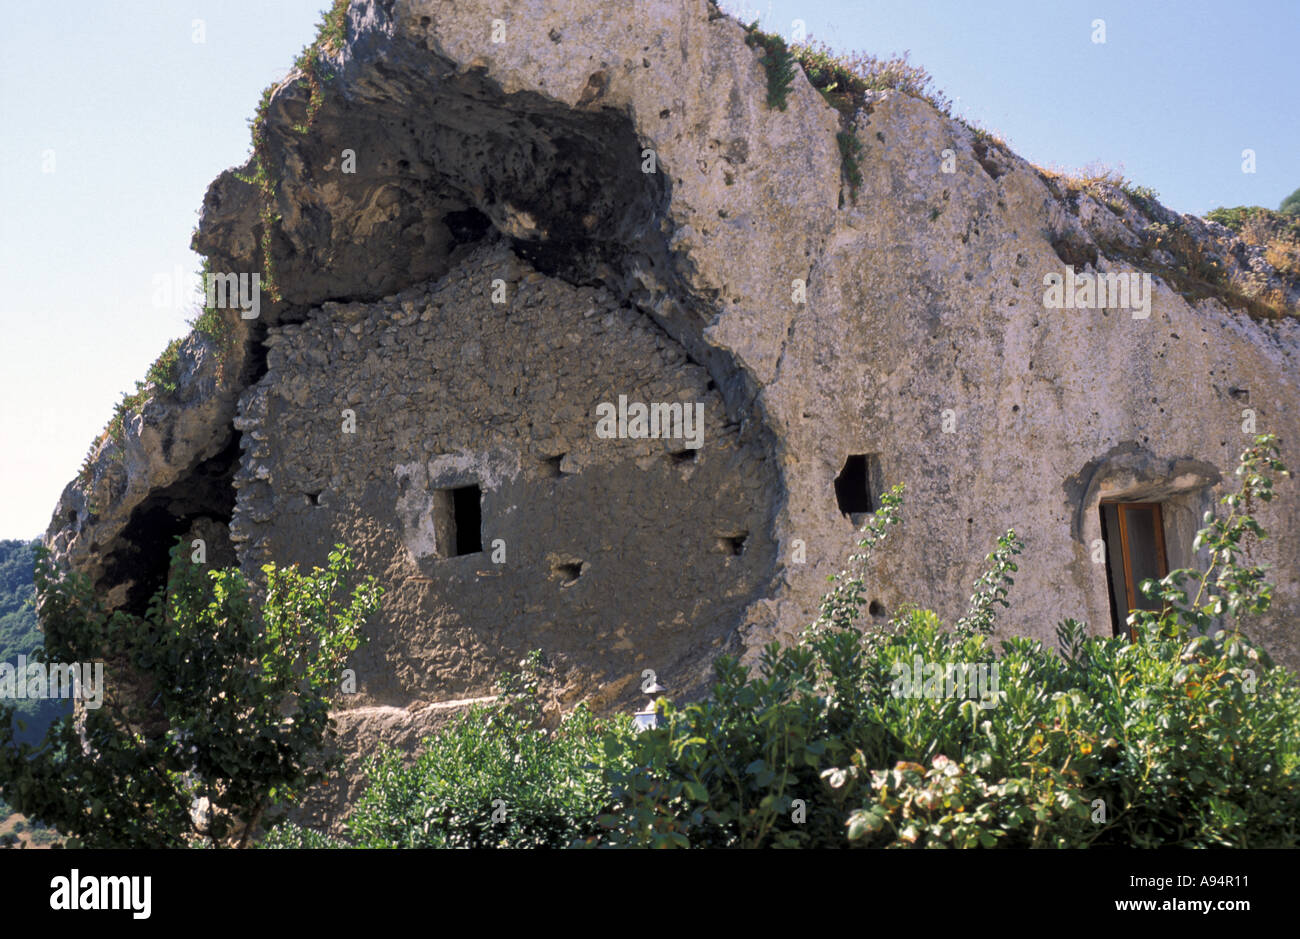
500	263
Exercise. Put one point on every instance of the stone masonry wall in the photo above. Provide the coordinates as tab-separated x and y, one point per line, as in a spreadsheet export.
618	555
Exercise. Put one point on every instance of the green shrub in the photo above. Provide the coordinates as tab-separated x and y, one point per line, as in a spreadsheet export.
1144	195
1175	739
1236	218
778	62
910	735
850	160
725	772
843	80
294	837
215	698
495	777
1291	204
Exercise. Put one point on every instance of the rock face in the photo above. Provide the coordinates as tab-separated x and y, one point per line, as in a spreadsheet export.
501	263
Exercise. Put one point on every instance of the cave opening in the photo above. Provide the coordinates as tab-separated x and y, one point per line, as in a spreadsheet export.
467	225
141	556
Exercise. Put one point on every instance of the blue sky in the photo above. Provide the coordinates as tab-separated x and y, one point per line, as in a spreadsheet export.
139	118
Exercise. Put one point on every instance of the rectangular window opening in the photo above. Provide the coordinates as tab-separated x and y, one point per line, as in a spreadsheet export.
457	521
1135	551
467	520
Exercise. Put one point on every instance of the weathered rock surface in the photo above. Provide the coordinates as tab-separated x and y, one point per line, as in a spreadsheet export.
923	342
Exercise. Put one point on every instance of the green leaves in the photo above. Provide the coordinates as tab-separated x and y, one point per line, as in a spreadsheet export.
211	700
1188	736
494	777
696	790
778	61
991	588
841	608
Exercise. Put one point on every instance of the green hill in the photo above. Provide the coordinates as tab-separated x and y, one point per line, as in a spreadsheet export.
19	635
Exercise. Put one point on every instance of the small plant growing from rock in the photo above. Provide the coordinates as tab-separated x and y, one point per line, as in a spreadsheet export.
778	62
850	160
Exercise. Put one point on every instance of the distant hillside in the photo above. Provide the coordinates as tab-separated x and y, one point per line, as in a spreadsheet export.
19	635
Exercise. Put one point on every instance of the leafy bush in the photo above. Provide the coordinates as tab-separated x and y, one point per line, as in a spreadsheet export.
219	710
777	61
1257	224
843	80
912	735
1179	738
294	837
1291	204
495	777
1236	216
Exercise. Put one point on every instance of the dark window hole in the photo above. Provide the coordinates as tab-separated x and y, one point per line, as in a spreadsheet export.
468	517
684	456
857	487
552	464
314	497
569	572
733	544
876	608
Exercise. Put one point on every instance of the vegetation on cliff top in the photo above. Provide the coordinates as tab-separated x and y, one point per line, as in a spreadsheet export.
211	323
844	80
